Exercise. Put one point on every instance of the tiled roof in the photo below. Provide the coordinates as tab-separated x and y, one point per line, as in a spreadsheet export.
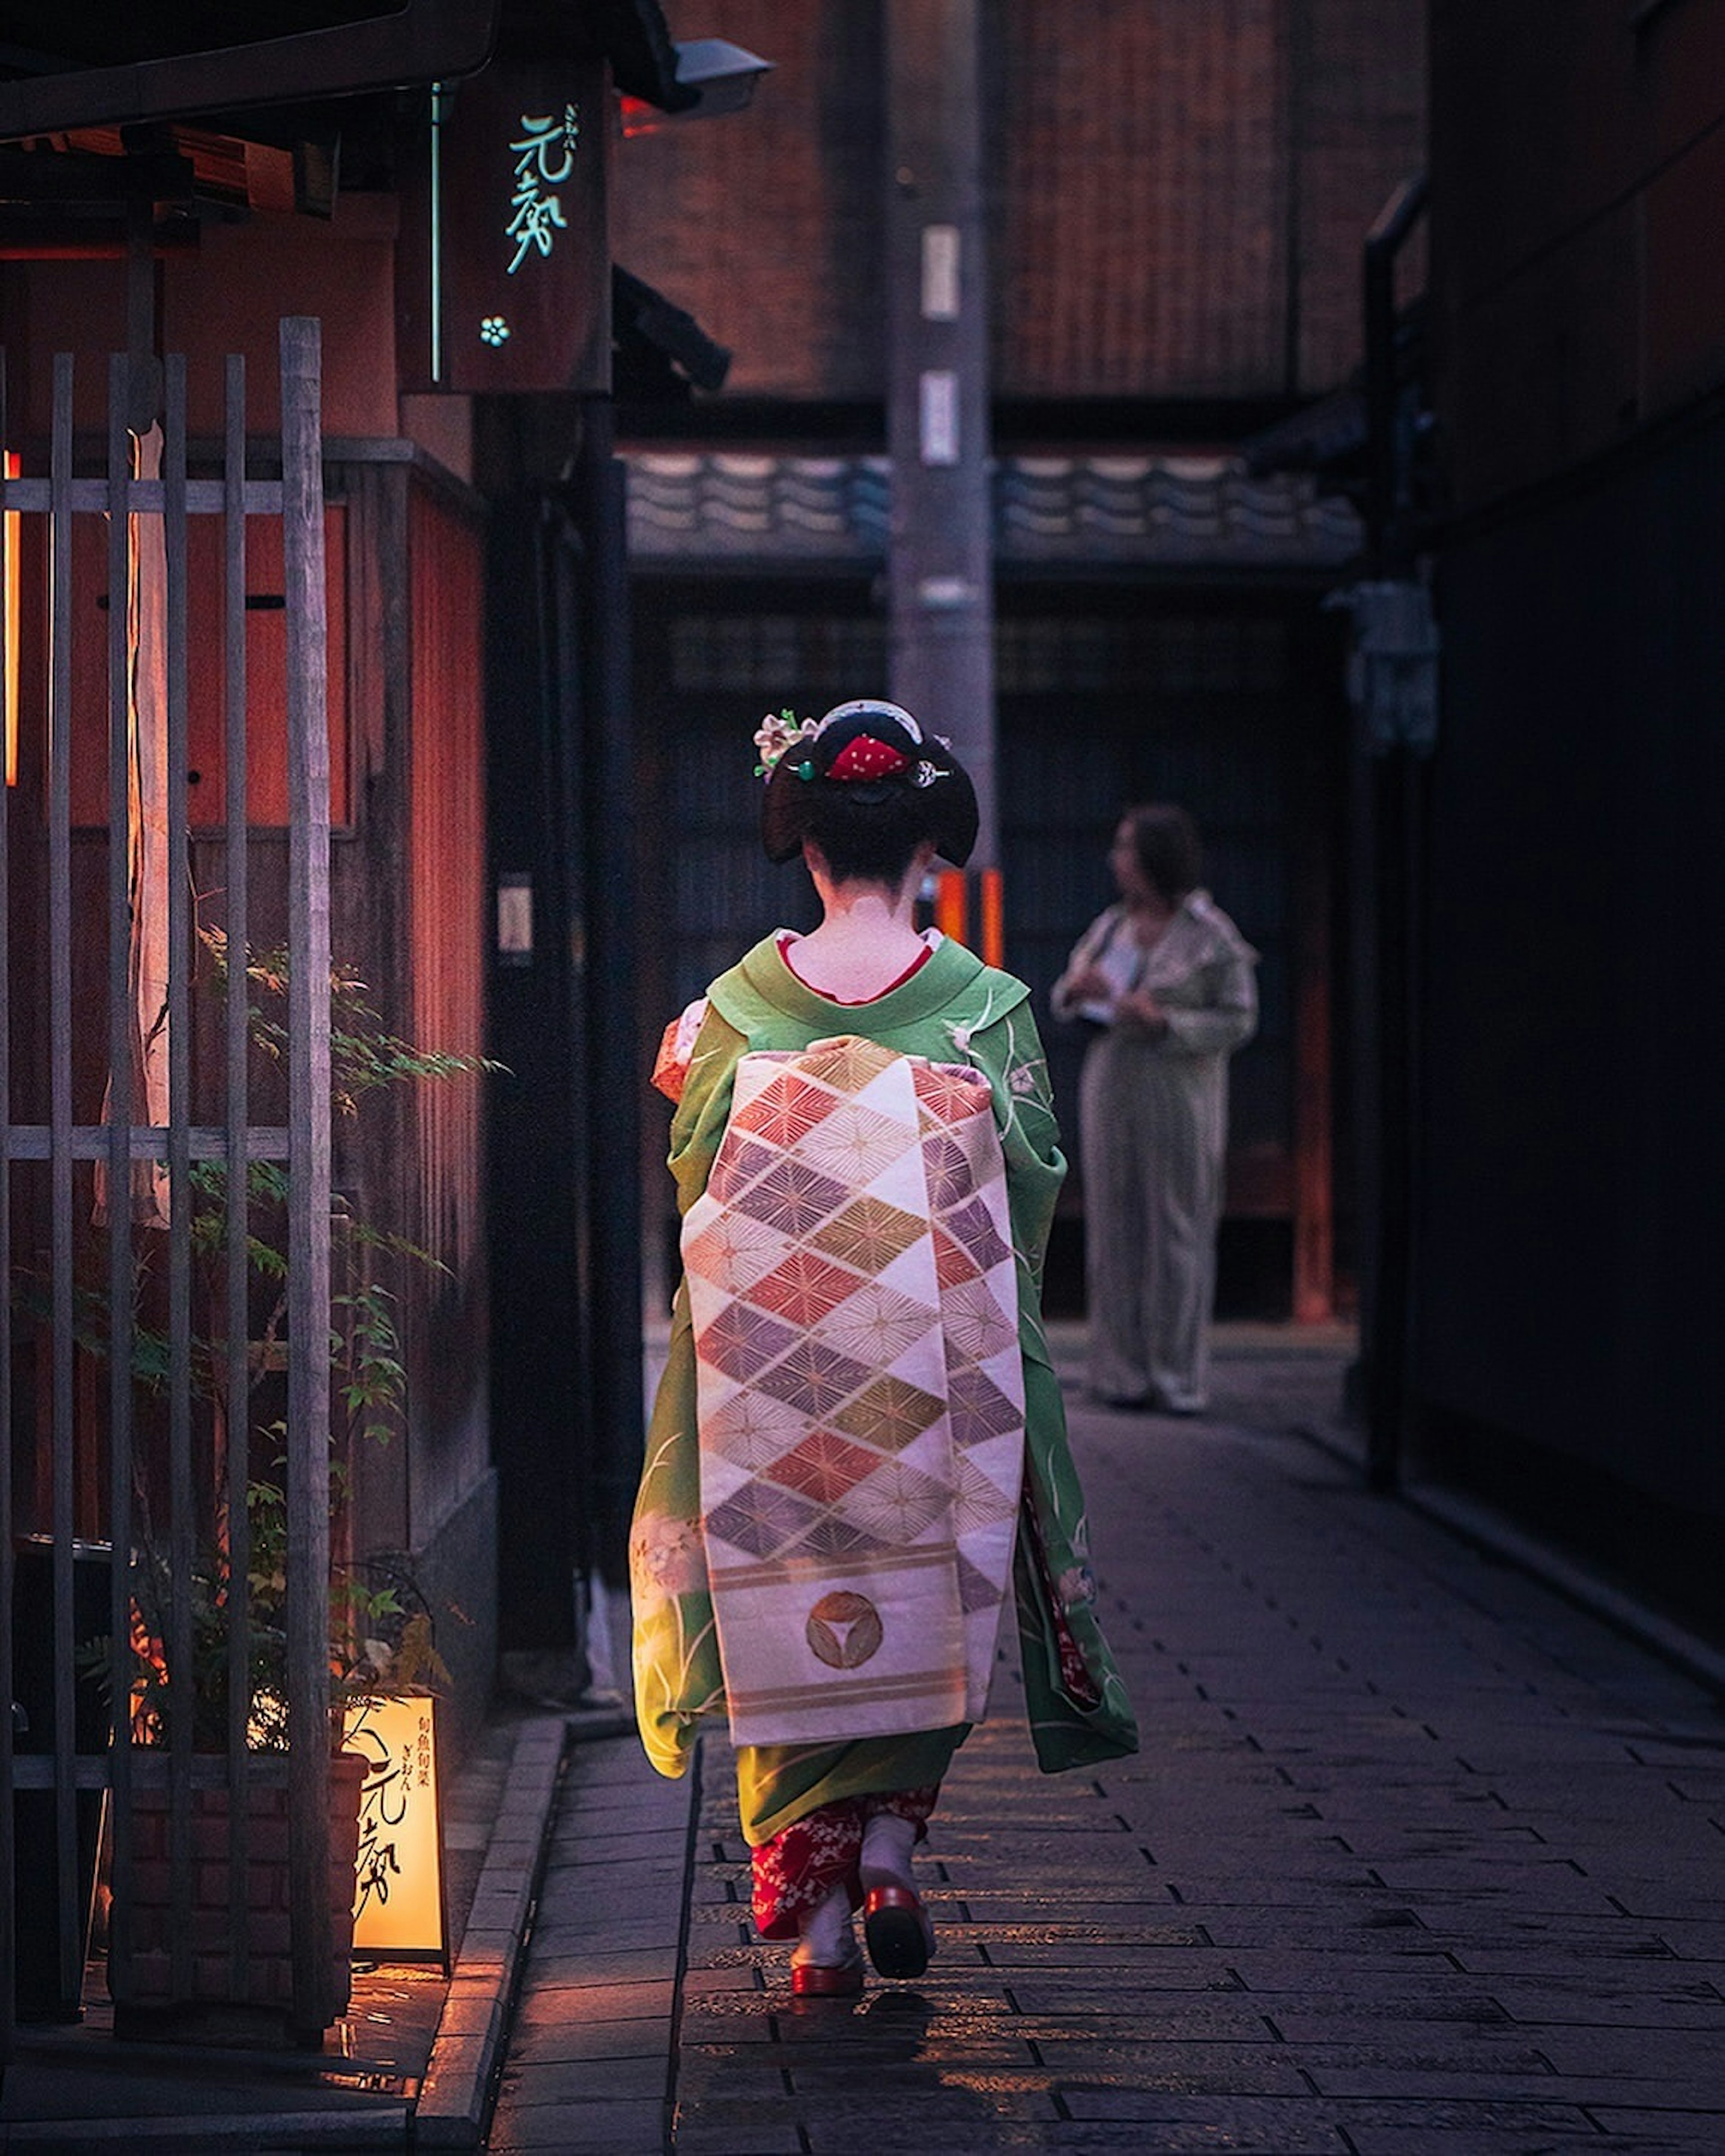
1198	511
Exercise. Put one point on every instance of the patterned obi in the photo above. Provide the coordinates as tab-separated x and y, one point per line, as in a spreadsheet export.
861	1393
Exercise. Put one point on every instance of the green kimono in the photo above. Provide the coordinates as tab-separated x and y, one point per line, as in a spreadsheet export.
952	1010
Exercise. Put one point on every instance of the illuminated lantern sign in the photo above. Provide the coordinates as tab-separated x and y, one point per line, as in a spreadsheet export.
503	272
398	1882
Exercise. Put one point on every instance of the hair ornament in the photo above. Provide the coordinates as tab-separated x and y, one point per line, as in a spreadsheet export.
778	732
873	708
863	757
885	770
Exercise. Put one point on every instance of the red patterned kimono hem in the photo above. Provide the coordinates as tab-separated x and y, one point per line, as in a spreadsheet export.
796	1871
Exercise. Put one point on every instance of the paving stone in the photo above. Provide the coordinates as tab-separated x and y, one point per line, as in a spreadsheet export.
727	2129
1698	2131
595	2002
600	2128
579	2082
1417	1857
554	2042
1487	2141
1588	2003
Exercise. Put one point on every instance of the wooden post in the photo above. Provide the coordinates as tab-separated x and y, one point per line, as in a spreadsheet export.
614	1219
59	930
7	1941
308	1439
236	865
940	567
181	1481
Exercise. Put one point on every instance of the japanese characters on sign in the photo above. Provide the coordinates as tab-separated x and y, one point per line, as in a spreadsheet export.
398	1898
545	157
503	266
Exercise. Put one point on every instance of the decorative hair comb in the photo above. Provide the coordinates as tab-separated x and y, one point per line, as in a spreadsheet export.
776	733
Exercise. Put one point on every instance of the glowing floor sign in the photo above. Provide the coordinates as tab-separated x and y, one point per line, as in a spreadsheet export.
398	1899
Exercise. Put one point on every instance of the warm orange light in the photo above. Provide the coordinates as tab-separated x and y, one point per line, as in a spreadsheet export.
993	913
10	598
950	907
398	1898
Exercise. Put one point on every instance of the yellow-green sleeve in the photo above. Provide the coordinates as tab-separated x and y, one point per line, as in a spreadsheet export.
678	1677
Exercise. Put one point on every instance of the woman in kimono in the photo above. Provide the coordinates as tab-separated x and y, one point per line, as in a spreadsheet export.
858	1443
1165	981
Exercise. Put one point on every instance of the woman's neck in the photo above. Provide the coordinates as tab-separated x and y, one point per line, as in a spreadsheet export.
866	938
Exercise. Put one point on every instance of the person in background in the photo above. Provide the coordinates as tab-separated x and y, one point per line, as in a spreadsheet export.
1164	980
858	1449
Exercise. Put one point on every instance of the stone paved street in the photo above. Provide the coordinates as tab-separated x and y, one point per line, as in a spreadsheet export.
1417	1858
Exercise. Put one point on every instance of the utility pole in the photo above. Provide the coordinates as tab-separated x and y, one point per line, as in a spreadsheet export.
940	560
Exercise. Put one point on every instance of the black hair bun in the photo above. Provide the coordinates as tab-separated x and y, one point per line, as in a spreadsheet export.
888	770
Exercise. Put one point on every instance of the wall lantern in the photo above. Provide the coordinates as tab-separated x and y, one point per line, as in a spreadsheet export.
722	75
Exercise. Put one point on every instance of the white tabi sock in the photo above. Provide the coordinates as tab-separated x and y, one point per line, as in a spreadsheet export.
824	1937
887	1843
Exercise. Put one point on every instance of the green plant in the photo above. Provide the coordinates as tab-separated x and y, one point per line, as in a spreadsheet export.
378	1641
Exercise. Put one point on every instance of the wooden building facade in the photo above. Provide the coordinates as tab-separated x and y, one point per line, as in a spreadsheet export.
1567	1225
1175	198
436	221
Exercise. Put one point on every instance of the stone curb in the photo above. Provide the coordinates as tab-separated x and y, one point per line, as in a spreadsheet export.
456	2092
234	2133
1490	1531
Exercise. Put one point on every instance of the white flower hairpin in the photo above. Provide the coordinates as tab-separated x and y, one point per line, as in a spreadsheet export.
776	733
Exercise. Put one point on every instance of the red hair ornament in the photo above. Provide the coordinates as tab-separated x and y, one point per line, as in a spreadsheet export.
865	758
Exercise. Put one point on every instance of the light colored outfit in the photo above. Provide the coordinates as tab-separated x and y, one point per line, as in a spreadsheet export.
952	1010
1154	1130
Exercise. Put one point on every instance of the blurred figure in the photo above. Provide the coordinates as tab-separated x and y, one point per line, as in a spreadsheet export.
1165	982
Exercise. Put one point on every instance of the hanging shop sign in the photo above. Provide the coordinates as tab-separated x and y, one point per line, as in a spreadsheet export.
503	268
398	1912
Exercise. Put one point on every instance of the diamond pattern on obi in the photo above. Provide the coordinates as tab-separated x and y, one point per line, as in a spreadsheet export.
759	1518
869	1235
824	1467
741	1342
953	1265
878	1324
973	1225
803	1288
792	1196
976	1326
848	1279
735	1251
847	1063
735	1169
898	1503
948	1093
814	1379
865	1142
751	1429
786	1110
834	1537
890	1414
947	1164
979	1408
